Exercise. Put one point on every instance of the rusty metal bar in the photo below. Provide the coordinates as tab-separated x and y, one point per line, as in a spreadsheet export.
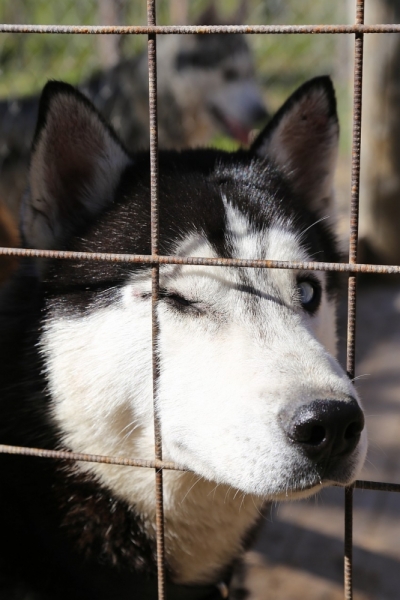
355	166
202	29
352	291
198	260
348	543
155	287
380	486
96	458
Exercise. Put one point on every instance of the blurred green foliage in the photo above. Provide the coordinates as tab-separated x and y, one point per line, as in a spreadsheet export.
283	62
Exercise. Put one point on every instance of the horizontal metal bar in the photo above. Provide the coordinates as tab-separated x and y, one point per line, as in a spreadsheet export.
151	464
96	458
377	485
203	29
198	260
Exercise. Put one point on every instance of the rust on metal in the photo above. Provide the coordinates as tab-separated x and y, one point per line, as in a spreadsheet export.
201	261
95	458
201	29
380	486
155	278
348	543
352	284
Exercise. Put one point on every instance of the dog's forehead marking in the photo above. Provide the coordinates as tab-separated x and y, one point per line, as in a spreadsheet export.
276	242
229	289
280	241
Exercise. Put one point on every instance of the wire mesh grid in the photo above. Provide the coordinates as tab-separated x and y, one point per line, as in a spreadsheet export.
151	30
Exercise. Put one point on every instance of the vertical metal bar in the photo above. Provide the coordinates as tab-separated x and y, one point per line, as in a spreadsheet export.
155	273
348	543
351	318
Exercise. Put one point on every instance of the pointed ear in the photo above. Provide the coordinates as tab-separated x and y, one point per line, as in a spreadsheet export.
302	139
76	164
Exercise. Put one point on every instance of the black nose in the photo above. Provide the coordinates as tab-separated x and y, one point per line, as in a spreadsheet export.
327	428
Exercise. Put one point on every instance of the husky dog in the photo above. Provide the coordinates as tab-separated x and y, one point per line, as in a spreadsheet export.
206	85
250	398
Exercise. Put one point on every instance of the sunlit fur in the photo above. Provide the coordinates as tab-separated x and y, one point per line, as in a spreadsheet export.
238	352
226	373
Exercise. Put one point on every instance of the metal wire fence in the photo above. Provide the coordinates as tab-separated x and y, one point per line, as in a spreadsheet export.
151	30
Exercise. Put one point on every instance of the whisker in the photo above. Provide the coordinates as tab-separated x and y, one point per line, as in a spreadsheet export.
133	425
227	492
213	490
360	377
373	465
242	501
312	225
190	489
263	516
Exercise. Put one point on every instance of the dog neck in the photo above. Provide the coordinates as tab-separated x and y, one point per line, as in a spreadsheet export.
206	524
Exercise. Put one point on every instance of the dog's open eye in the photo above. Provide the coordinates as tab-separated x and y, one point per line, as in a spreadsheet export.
309	294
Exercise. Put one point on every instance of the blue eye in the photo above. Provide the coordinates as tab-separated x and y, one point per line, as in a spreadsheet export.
306	291
309	294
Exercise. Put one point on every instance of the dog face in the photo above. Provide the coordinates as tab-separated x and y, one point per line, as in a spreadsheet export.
213	85
249	393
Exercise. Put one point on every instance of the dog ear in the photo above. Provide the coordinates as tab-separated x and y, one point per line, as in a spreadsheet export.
76	164
302	139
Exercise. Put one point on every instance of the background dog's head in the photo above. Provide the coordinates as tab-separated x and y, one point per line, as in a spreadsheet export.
211	86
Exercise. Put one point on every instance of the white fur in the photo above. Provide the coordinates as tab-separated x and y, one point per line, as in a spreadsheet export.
226	373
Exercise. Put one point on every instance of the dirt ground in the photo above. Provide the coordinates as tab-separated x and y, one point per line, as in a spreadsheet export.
299	553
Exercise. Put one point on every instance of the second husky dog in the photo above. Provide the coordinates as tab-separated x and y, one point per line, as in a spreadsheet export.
206	85
250	397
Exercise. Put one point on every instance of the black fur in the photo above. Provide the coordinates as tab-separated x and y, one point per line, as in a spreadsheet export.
324	83
190	201
64	535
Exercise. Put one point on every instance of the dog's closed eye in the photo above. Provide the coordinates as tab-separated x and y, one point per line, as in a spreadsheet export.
179	302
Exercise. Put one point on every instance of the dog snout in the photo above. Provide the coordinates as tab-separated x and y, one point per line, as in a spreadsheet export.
325	429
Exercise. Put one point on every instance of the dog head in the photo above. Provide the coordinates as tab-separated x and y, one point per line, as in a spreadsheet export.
213	84
249	394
